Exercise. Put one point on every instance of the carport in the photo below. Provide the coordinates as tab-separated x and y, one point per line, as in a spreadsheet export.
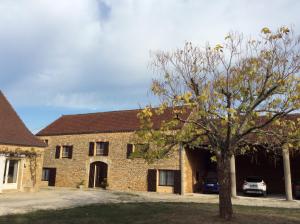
196	164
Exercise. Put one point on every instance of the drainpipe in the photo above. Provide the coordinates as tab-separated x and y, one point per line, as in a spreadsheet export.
233	176
287	173
182	155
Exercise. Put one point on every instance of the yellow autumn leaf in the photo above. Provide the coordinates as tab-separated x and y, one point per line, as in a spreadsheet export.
265	30
231	110
218	47
187	97
281	82
284	30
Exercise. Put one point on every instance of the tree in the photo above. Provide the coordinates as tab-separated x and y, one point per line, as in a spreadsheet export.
224	96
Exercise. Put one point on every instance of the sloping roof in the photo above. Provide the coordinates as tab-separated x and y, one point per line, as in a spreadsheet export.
12	129
102	122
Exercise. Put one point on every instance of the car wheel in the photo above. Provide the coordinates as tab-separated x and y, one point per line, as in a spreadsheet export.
265	194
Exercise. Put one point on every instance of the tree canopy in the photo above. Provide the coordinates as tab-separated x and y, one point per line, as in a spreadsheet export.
230	90
227	96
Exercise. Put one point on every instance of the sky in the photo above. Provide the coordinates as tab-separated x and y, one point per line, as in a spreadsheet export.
80	56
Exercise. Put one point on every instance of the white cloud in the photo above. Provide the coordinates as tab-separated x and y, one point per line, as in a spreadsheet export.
94	54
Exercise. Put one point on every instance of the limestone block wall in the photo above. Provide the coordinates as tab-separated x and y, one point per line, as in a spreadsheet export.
29	171
188	173
123	173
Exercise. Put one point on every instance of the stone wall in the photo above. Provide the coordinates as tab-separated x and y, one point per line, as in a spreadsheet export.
198	167
29	171
123	173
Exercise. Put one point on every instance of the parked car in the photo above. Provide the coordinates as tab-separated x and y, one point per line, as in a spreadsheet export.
210	185
296	189
255	185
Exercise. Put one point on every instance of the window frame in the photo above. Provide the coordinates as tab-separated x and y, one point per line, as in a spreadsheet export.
43	171
168	182
69	148
103	147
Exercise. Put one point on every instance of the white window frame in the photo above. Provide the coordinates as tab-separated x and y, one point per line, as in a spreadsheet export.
7	185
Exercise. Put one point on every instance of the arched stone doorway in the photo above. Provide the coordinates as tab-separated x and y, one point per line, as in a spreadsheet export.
98	173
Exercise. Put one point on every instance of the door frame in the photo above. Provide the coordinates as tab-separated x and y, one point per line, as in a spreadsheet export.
96	175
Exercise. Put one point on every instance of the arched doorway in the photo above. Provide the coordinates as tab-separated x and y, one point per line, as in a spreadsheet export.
98	173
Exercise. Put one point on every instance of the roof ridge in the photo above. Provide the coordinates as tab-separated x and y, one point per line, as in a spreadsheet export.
101	112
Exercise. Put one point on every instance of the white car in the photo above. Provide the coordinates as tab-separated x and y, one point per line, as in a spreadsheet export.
255	185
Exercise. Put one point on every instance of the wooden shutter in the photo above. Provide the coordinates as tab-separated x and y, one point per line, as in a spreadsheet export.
151	180
177	181
91	148
106	148
57	152
70	154
129	150
92	175
52	177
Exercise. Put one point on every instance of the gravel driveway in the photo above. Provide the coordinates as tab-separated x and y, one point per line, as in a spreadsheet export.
12	203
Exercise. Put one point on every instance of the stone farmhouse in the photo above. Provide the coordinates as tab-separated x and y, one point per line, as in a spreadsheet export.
21	153
91	147
95	148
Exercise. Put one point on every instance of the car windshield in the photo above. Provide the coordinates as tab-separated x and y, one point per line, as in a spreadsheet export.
211	180
254	179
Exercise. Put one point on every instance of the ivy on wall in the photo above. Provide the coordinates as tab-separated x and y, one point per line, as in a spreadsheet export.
31	155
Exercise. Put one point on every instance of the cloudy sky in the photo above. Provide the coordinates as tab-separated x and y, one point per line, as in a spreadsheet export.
77	56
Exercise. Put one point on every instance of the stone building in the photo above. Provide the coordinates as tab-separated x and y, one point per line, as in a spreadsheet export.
92	148
96	147
21	153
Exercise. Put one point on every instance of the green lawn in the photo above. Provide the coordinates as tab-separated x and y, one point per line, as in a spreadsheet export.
165	213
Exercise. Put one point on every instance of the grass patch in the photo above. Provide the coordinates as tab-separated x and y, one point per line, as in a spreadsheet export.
146	213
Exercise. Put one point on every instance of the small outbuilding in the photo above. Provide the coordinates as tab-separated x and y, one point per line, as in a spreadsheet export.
21	153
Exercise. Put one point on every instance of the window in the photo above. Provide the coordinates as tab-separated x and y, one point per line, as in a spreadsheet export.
46	142
102	148
67	151
141	147
11	171
137	150
45	174
166	178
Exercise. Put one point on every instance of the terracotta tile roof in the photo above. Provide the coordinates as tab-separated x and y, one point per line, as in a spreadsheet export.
12	129
102	122
108	122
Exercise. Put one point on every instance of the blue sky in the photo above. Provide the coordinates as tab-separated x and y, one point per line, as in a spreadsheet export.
78	56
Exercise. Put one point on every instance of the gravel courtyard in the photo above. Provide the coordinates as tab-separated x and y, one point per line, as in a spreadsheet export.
13	203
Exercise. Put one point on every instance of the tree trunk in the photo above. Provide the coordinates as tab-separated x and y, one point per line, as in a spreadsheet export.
233	176
225	204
